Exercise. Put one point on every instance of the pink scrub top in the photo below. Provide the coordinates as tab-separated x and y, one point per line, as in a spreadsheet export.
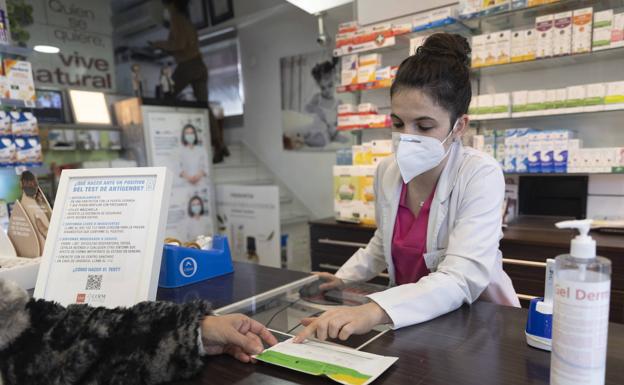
409	241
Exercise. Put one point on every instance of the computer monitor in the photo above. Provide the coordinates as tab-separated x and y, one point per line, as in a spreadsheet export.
89	107
49	106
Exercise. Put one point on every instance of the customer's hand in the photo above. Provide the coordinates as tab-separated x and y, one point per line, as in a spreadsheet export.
342	322
331	281
235	334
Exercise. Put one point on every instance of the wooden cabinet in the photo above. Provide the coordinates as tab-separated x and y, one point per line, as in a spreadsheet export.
526	245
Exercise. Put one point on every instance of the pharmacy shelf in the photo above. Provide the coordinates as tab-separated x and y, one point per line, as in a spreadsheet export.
15	50
402	41
551	116
548	63
523	17
15	103
376	85
83	127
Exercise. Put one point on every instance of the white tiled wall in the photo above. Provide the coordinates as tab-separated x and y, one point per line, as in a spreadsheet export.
605	198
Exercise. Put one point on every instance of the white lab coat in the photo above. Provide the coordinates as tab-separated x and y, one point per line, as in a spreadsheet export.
463	233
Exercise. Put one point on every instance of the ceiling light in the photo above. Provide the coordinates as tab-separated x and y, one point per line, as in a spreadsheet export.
316	6
46	49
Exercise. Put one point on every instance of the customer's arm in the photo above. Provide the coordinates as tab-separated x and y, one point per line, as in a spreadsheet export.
368	262
149	343
470	257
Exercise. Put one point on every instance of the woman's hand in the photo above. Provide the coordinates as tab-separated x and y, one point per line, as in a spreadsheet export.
235	334
342	322
331	281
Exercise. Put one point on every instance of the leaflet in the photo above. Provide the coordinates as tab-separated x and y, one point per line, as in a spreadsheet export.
343	365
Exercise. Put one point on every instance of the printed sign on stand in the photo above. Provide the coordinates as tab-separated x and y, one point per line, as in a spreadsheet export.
250	217
105	240
179	139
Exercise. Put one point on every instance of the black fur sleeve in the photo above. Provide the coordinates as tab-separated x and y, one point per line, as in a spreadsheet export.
149	343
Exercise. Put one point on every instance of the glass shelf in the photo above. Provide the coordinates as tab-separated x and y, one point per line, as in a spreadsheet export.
15	50
522	17
551	116
17	103
553	62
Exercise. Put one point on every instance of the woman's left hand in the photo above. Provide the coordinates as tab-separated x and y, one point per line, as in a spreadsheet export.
342	322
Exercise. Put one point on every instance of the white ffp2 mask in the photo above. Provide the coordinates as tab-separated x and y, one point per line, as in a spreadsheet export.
416	154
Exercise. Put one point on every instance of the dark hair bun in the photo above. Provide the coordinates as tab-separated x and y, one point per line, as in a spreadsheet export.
447	45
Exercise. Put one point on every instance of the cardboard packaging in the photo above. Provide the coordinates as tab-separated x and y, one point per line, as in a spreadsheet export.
366	74
614	98
491	48
501	106
346	109
536	102
349	62
20	81
486	106
366	108
562	41
595	97
530	42
603	24
576	99
348	77
372	59
582	30
561	97
544	25
421	21
518	46
534	152
384	73
519	100
478	50
503	47
522	149
617	32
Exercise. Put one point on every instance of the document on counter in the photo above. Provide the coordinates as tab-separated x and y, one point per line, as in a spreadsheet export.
343	365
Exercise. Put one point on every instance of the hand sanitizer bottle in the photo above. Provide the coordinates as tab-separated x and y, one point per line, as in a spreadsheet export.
581	311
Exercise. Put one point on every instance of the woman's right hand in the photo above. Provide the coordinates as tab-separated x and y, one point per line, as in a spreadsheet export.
331	281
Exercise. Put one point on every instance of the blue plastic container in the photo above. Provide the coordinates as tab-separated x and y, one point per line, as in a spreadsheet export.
539	327
183	266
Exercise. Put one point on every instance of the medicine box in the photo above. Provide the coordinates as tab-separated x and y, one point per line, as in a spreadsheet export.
519	100
349	62
582	30
603	24
486	106
503	47
366	108
501	106
562	40
346	109
536	102
617	32
421	21
576	99
478	50
547	152
530	42
522	152
372	59
614	98
366	74
444	15
384	73
544	25
518	46
491	48
534	152
595	97
348	77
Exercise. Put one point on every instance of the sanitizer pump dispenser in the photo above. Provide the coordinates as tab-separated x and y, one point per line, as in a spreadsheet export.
581	311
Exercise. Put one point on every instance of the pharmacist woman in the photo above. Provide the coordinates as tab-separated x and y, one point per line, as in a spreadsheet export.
438	207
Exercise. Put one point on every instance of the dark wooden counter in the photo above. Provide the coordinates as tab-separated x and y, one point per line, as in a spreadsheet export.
528	240
482	344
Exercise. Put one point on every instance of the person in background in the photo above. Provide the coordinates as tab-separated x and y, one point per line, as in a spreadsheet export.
438	206
42	342
324	106
183	45
192	156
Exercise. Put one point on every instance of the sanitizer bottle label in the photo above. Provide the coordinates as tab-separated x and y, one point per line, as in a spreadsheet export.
580	325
